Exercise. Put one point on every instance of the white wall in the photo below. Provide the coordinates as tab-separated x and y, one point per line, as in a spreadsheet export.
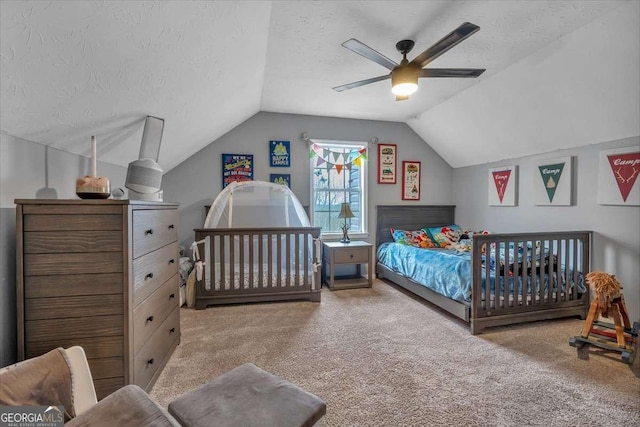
197	181
616	239
27	171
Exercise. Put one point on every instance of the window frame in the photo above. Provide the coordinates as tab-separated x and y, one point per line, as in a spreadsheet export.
364	195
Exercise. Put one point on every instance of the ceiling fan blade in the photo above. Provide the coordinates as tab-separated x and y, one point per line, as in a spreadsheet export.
445	43
364	50
450	72
401	98
361	83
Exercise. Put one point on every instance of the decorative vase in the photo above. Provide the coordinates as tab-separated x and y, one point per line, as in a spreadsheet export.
92	186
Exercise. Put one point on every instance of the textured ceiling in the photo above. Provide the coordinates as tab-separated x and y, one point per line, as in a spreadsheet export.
75	69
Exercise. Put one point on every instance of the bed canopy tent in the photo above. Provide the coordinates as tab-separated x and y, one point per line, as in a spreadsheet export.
256	204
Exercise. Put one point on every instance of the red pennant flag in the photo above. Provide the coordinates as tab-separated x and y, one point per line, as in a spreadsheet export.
339	168
625	168
501	179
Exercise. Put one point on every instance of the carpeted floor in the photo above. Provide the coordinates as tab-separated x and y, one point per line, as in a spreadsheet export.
380	357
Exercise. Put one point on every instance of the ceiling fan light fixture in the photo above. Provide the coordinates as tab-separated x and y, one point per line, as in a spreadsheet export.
404	81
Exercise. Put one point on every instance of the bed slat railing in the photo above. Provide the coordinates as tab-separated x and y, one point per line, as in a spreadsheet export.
531	271
285	259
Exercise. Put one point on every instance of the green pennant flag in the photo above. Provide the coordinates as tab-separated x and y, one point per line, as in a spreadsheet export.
312	154
550	175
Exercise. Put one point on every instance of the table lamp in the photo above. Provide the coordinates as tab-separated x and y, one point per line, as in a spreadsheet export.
345	212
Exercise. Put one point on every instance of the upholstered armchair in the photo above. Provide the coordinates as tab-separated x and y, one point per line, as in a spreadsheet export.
62	377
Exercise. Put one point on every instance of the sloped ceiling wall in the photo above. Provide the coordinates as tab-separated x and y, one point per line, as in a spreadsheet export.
75	69
581	89
72	69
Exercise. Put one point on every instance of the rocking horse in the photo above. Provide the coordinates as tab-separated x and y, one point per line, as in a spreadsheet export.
608	301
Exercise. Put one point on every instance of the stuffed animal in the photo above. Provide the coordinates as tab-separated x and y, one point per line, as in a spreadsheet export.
606	287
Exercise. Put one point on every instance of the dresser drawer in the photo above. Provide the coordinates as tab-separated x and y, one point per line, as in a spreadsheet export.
74	306
152	270
73	327
148	316
150	357
348	256
153	229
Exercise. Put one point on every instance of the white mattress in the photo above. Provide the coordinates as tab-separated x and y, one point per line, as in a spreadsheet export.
266	280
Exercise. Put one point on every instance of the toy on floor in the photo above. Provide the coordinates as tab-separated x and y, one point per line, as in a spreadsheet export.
608	301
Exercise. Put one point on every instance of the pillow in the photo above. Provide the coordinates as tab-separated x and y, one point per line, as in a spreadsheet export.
444	236
419	238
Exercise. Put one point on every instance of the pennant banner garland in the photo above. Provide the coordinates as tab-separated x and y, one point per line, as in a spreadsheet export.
337	160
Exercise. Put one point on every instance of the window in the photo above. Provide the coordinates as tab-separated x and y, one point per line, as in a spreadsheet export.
338	175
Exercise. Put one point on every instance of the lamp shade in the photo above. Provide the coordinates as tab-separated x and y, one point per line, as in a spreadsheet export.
404	80
345	211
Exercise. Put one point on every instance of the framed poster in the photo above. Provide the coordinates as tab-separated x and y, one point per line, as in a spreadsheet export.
410	180
553	182
387	154
236	167
279	154
502	186
281	178
618	177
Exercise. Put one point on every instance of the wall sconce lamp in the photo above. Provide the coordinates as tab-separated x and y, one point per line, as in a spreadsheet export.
345	212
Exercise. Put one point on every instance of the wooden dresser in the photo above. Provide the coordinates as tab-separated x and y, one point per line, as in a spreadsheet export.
102	274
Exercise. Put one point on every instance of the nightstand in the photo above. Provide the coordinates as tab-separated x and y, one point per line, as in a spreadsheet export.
337	253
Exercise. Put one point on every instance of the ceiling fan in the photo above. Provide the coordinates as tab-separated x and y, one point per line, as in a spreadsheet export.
404	76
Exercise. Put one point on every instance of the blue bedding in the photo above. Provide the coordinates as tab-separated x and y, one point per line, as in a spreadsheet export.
448	272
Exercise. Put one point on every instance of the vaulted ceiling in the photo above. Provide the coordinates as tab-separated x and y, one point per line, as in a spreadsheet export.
559	73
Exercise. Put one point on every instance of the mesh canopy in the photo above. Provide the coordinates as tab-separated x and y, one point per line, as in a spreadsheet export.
249	204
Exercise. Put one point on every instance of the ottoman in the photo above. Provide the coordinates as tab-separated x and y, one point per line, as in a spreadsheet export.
248	396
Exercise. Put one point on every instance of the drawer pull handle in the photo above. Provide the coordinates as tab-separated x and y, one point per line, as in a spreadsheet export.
149	231
150	361
149	276
172	261
171	227
150	319
172	296
172	330
351	256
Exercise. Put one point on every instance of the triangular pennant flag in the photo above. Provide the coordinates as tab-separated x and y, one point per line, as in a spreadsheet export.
348	165
625	168
357	161
363	154
315	147
325	153
320	161
339	168
312	154
550	175
501	179
336	156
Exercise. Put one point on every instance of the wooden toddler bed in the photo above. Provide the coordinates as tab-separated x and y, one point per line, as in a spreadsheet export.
539	276
257	264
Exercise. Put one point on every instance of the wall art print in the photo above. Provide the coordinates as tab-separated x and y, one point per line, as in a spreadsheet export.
387	154
281	178
410	180
618	182
553	182
236	167
279	154
503	183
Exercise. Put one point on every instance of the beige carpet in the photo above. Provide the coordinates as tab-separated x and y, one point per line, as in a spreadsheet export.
380	357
